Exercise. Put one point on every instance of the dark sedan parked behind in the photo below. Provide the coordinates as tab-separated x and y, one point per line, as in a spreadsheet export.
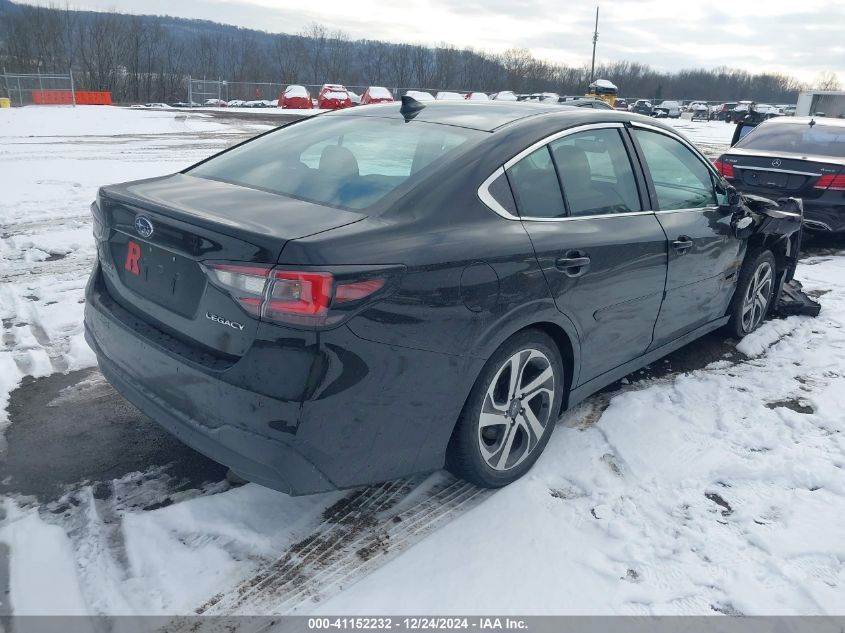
793	156
384	290
642	106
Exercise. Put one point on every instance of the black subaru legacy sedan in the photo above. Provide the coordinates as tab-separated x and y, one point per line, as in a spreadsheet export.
382	291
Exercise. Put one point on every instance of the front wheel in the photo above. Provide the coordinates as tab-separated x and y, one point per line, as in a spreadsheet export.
510	413
753	294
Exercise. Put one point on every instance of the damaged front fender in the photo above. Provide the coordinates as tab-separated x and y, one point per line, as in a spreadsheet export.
776	226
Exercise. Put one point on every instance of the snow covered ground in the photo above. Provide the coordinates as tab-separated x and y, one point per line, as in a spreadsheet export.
720	490
52	160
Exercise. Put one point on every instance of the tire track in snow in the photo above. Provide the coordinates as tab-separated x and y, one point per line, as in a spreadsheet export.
358	534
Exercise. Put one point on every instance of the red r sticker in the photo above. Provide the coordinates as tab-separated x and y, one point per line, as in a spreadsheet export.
133	256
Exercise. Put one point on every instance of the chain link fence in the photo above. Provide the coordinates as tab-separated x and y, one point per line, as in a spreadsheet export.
29	89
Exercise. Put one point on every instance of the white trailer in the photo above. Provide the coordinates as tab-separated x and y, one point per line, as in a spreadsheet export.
830	103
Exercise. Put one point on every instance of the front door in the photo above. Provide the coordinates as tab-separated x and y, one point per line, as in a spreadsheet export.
704	254
603	257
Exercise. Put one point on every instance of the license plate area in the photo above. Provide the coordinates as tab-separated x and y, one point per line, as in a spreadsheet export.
168	279
768	179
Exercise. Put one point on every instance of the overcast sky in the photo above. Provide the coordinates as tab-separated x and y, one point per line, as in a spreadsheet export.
797	37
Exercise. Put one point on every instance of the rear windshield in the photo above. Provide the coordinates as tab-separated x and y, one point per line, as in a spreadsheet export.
820	139
350	162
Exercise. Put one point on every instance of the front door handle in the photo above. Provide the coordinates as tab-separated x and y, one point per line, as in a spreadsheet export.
573	264
683	244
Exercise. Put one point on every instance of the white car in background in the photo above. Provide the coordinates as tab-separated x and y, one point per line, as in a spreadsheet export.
768	110
504	95
445	95
477	96
419	95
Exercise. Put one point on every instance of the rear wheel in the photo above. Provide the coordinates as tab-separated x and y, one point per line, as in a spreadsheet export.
753	294
510	413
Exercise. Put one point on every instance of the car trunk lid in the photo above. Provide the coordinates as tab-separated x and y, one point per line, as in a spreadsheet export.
161	276
778	173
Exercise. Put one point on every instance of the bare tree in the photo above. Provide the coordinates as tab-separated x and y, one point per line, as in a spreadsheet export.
149	59
827	80
290	57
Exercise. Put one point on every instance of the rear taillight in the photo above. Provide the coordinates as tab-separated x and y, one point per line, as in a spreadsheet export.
245	283
293	296
830	182
298	293
726	169
356	290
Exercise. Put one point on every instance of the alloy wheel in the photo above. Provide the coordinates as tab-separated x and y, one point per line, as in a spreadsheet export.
757	297
517	409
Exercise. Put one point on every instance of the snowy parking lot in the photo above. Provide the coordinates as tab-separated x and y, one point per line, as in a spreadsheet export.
711	482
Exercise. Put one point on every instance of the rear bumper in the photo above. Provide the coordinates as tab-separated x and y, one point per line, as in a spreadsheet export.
357	412
192	402
824	217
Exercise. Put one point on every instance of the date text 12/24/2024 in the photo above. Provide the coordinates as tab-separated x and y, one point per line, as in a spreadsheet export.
417	624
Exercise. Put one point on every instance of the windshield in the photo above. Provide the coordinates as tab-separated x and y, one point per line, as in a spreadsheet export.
350	162
824	140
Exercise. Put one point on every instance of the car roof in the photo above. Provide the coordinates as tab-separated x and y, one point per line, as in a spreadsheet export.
805	120
485	116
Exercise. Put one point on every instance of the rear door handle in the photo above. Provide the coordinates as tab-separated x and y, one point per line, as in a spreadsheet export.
574	264
683	244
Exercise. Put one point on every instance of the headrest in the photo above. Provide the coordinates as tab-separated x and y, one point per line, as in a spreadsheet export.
338	161
573	164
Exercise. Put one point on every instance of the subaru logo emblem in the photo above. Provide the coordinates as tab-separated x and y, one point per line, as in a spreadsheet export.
143	226
776	162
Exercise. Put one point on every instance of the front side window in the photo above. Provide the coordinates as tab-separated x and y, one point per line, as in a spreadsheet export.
596	173
350	162
681	179
536	186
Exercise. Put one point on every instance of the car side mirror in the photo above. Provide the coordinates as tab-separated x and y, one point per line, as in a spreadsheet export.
728	198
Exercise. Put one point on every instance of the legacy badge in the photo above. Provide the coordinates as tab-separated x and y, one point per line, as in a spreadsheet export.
224	321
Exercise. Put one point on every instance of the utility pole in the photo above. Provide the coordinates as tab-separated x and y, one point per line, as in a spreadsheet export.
595	39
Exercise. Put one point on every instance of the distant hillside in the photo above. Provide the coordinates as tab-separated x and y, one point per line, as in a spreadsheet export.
148	58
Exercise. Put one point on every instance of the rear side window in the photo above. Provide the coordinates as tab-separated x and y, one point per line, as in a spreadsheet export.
350	162
536	186
826	140
596	173
681	179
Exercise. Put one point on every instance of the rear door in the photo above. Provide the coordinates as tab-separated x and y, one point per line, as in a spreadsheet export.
604	258
704	254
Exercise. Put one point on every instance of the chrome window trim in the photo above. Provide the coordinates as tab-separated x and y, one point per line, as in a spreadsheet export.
780	171
586	217
688	209
490	202
553	137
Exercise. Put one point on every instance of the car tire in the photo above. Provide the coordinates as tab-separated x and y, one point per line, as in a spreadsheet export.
505	424
754	291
